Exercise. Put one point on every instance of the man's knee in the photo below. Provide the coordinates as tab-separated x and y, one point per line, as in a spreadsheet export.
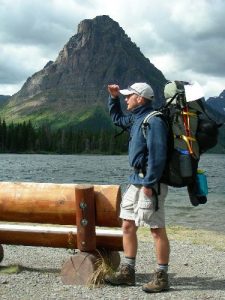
129	227
159	233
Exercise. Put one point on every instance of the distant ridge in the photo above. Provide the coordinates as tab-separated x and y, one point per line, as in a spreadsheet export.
217	104
4	98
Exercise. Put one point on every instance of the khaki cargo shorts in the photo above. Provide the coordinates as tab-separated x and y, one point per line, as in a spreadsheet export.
138	207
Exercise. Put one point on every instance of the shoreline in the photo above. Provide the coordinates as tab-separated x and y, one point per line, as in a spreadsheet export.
215	239
196	270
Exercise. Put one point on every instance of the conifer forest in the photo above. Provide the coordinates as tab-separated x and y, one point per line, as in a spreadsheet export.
25	138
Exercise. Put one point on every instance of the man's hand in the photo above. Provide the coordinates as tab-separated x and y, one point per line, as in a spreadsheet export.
114	90
148	192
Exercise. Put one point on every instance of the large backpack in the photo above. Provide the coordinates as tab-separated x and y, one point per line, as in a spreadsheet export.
191	132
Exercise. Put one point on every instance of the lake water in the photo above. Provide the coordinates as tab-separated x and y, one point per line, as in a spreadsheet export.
100	169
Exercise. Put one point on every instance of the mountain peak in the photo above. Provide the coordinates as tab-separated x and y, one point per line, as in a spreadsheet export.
93	33
100	22
99	54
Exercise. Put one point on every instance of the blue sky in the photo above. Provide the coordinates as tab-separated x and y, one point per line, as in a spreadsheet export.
185	39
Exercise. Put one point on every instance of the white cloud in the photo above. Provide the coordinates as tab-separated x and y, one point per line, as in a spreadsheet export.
166	62
9	89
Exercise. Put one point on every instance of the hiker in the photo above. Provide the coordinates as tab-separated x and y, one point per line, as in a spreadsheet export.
143	202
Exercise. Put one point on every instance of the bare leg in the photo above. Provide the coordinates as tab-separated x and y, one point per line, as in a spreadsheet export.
130	242
125	275
159	280
161	245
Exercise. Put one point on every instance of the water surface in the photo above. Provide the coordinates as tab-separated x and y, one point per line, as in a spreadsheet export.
100	169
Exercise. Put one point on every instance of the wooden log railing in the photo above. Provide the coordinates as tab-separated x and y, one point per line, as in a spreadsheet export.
55	203
62	215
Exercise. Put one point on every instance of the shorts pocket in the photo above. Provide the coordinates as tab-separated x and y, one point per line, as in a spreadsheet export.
144	209
129	197
145	202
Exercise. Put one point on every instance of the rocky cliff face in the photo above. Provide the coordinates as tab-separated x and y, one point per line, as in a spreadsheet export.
217	105
100	53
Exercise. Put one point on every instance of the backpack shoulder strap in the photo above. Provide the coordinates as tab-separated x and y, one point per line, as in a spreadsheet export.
145	123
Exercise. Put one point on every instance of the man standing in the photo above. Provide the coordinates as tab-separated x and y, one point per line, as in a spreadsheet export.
143	201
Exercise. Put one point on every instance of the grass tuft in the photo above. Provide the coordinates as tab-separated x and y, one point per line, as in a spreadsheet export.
12	269
104	266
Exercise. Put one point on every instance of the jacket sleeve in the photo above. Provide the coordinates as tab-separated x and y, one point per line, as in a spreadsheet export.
117	115
156	140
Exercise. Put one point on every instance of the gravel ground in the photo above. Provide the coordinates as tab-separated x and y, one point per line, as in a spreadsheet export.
196	272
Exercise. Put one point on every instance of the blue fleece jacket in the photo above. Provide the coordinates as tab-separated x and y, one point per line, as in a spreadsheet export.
147	154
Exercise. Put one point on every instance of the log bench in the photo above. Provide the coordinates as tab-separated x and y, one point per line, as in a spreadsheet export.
72	216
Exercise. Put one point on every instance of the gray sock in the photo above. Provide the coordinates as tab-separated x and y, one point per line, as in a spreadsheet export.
162	267
130	261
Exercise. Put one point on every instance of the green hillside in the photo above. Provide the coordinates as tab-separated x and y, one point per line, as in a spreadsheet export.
58	115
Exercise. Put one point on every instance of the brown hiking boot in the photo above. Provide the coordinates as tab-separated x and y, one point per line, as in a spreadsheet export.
158	283
124	276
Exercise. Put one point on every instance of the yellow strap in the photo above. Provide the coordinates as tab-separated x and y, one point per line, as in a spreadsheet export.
187	140
190	138
188	113
184	137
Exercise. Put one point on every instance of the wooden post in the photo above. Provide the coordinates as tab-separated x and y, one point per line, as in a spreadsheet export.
85	218
79	268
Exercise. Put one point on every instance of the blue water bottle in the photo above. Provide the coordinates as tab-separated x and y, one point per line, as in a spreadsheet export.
202	185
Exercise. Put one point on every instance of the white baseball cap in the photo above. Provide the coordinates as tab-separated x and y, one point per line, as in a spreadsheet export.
140	88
